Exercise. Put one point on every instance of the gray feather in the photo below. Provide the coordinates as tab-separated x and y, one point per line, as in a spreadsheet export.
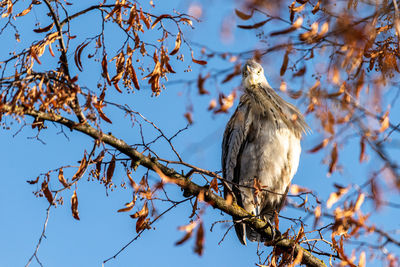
261	141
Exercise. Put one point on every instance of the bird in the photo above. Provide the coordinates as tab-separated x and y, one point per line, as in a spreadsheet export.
260	146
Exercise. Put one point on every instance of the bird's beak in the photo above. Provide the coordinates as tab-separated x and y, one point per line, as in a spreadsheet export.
248	68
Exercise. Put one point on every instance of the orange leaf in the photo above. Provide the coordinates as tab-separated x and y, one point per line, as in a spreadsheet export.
212	105
178	42
242	15
194	209
214	185
184	239
129	206
62	179
335	196
236	71
82	169
362	149
200	62
189	117
320	146
200	84
103	116
134	77
33	181
334	158
316	7
296	189
158	19
110	170
384	122
105	71
24	12
74	206
254	26
362	260
297	24
45	29
317	215
199	246
284	63
359	201
144	19
47	193
142	213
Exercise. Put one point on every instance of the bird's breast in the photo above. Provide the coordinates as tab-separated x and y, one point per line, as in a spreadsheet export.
271	155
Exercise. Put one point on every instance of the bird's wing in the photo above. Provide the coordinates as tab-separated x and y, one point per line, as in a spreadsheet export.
234	138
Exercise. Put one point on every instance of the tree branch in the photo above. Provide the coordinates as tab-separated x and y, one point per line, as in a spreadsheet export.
190	187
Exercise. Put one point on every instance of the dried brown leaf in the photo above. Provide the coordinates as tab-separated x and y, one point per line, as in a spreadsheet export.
359	201
47	193
184	239
178	42
384	122
129	206
102	115
62	179
362	261
285	62
194	209
316	7
105	71
334	159
134	77
142	213
297	24
254	26
200	84
317	215
144	19
33	181
242	15
362	149
199	246
335	196
236	71
158	19
189	117
214	185
110	170
200	62
44	29
296	189
81	169
24	12
74	206
323	144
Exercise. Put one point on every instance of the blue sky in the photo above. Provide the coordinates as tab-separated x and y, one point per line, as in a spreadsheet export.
102	231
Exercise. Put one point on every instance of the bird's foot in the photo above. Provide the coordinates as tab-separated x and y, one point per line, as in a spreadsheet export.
274	232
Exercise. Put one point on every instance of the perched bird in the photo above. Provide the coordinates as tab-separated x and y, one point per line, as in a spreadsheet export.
261	146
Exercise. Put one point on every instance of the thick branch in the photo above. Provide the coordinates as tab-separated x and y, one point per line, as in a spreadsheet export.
173	176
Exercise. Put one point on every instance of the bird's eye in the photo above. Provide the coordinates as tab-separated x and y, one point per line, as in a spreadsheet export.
259	72
244	74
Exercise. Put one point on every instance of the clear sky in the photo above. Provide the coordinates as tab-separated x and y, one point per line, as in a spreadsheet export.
102	231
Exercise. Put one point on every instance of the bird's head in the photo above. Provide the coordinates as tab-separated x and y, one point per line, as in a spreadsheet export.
252	74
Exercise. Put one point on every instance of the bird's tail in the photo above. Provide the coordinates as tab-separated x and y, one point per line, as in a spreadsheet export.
244	232
254	236
241	232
